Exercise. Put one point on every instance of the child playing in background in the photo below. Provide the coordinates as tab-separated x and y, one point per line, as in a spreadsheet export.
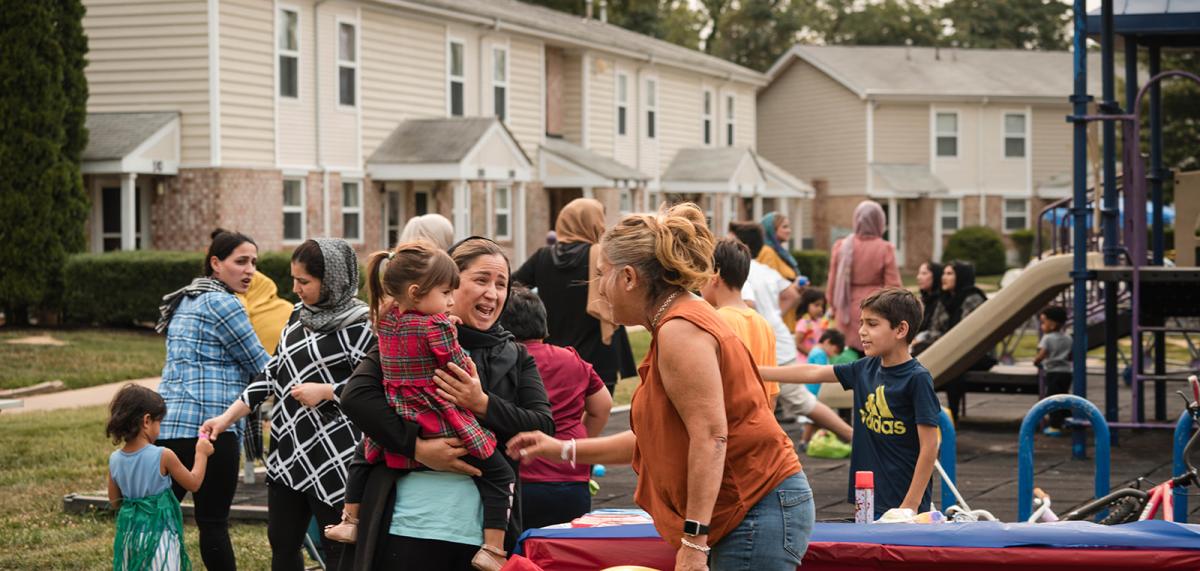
731	266
149	519
811	321
895	430
410	289
1054	356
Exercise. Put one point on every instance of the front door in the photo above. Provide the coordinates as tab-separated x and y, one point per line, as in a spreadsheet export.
559	197
108	219
898	239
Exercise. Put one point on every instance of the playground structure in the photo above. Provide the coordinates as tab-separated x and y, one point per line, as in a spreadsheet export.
1112	276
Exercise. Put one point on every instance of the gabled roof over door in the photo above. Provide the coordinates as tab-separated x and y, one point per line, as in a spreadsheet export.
138	143
458	148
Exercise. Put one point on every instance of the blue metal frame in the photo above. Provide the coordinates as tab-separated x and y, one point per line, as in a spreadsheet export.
1183	433
1081	407
1079	208
948	456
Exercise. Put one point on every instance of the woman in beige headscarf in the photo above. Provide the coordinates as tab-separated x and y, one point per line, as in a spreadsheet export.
861	264
564	277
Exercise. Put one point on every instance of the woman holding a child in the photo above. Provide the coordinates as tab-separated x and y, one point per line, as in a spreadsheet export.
311	440
433	519
715	471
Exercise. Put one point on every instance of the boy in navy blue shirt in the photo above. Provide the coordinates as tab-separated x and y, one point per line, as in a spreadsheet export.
895	425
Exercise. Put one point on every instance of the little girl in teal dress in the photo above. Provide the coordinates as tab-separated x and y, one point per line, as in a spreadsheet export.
149	519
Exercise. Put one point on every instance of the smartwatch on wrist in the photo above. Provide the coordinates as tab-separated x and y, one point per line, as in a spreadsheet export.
693	528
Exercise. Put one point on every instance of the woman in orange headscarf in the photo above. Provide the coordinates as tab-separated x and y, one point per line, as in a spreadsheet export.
564	275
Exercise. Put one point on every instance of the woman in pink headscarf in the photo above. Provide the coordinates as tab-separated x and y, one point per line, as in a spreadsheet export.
860	264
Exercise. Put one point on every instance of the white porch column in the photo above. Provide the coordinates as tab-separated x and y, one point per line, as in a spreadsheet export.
758	207
893	228
519	232
461	209
588	192
129	211
784	207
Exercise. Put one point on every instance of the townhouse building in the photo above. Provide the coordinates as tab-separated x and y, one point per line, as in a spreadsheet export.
942	138
290	119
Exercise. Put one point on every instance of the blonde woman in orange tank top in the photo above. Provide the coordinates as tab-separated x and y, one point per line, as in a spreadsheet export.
715	471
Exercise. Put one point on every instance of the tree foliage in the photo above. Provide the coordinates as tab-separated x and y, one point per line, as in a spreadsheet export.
43	98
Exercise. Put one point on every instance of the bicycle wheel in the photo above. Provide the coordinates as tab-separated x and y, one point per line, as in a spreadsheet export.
1124	510
1120	500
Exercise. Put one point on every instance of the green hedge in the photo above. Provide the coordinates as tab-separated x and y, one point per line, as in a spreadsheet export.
980	245
814	264
123	288
1023	240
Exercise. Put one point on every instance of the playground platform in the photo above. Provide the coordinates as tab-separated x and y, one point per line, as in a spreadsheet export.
987	466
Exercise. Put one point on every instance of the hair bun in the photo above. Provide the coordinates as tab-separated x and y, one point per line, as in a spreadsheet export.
216	233
684	246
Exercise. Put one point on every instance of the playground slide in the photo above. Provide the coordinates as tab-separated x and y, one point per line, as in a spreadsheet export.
951	356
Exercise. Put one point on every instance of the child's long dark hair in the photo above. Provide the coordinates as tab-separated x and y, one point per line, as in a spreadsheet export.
128	408
808	297
418	262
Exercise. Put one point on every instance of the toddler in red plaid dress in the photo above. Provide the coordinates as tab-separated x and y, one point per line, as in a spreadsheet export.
410	290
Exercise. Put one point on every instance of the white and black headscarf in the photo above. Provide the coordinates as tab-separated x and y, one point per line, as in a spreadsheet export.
338	305
170	302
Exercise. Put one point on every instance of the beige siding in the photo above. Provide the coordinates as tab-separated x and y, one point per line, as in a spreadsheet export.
1051	145
526	67
602	122
648	149
746	123
572	98
247	83
297	125
1000	174
152	56
680	101
339	123
625	146
901	133
814	128
404	73
960	172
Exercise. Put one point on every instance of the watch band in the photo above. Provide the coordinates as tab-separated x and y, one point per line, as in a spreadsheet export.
694	528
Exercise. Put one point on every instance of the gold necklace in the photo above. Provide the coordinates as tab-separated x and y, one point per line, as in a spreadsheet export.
663	307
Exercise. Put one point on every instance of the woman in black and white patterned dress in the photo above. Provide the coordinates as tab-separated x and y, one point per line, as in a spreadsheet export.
312	442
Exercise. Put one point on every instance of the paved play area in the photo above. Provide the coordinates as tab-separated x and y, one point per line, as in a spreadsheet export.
987	465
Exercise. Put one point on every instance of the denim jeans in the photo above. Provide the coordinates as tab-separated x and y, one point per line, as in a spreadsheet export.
774	534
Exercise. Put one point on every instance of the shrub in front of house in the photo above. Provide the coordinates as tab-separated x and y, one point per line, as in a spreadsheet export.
814	264
1023	242
979	245
125	288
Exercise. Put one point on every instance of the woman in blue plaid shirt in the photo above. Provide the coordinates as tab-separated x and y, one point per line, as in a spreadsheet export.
212	353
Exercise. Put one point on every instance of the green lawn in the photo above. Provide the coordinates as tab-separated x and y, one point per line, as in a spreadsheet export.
90	357
44	456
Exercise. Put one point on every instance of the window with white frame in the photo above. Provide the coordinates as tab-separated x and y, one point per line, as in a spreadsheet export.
949	214
622	103
502	209
651	108
293	210
347	63
730	115
947	134
457	73
626	201
708	117
500	81
1016	214
288	48
352	211
1014	135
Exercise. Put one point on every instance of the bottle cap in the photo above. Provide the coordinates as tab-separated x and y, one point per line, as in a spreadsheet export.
864	479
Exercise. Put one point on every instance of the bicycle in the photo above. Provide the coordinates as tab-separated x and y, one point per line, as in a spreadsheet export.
1134	503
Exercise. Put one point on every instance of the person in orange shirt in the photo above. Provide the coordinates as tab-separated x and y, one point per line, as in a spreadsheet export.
731	262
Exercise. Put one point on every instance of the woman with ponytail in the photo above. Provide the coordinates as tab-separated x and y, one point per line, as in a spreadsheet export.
716	472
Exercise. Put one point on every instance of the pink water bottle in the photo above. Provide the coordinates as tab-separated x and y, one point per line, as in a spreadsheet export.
864	497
